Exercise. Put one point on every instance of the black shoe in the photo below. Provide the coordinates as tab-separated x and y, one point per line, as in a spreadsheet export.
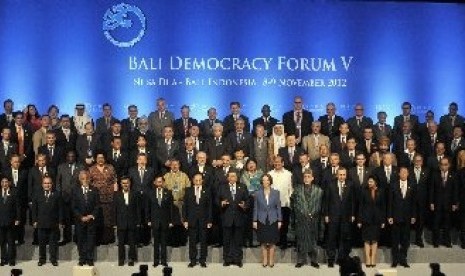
191	264
448	245
226	264
90	263
164	263
299	265
331	264
63	243
155	264
131	263
55	263
420	243
203	264
12	263
20	242
239	264
404	264
81	263
394	264
435	245
40	263
2	263
120	263
315	264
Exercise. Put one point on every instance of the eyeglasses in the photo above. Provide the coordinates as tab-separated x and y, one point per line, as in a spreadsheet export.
297	102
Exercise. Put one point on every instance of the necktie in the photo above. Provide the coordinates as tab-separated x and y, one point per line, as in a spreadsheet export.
197	194
115	156
381	127
5	148
141	173
50	152
107	122
4	196
159	196
217	141
71	167
85	193
417	174
260	141
15	177
410	156
42	171
168	145
330	124
368	145
239	138
47	195
343	139
291	154
402	187
388	174
189	157
211	123
8	118
452	120
358	122
360	175
455	144
233	192
444	179
340	190
19	131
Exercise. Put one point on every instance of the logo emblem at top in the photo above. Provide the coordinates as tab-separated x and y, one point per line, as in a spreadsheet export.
124	25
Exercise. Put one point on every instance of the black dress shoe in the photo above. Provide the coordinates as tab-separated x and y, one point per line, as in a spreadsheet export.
40	263
90	263
404	264
435	245
81	263
239	264
12	263
394	264
164	263
120	263
315	264
131	263
299	265
226	264
55	263
448	245
420	243
155	264
2	263
191	264
331	264
203	264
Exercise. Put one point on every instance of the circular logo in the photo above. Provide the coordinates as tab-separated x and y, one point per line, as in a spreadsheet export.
118	19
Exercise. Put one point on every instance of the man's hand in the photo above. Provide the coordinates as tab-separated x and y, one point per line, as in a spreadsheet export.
115	187
412	220
149	223
431	207
359	225
34	224
326	219
85	219
280	224
186	224
255	225
382	225
209	225
390	221
224	203
352	218
16	222
170	225
454	208
242	204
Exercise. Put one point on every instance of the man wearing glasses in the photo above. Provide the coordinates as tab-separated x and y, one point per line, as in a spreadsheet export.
406	116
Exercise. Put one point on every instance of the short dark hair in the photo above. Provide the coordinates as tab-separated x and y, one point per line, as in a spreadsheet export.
7	101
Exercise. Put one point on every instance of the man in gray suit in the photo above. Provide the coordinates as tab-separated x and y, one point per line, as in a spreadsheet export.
67	180
260	148
160	118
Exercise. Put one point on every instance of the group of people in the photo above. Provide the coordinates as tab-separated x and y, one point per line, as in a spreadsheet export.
335	183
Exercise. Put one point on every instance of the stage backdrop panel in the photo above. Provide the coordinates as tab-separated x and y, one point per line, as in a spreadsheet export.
208	53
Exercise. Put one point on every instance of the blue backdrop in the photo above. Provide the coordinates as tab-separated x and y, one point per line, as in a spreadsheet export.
56	52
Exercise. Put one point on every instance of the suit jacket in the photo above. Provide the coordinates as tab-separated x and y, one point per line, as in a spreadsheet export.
101	126
398	143
353	176
128	126
9	208
149	136
422	186
178	127
379	131
260	153
58	157
427	144
372	212
197	215
460	146
263	211
120	163
67	180
21	186
84	205
206	128
216	149
47	212
138	184
28	148
34	181
157	124
399	120
184	162
159	216
356	129
127	216
445	124
325	127
348	161
305	125
5	156
151	158
107	137
338	209
383	183
228	124
270	123
4	123
336	144
284	153
309	145
39	139
208	175
399	208
444	195
404	160
232	214
84	149
66	144
246	143
163	154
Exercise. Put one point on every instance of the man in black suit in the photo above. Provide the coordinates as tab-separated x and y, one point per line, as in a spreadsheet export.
21	134
381	128
233	198
406	116
141	176
405	159
339	216
47	217
400	139
187	155
85	203
229	121
105	122
66	137
7	118
368	144
401	213
330	122
87	144
298	121
55	154
387	173
159	216
129	124
443	199
142	147
456	143
206	126
321	164
298	172
167	149
266	121
142	130
359	122
66	181
199	141
216	146
18	177
348	155
439	153
127	219
240	138
449	121
329	174
290	153
197	219
420	177
7	148
201	166
9	218
182	125
115	131
339	142
118	157
429	139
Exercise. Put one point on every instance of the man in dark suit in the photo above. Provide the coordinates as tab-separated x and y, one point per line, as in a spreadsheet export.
420	177
299	170
359	122
456	143
400	139
329	174
66	137
406	116
233	198
66	182
207	171
105	122
401	213
159	216
167	149
240	139
348	155
266	121
339	142
55	154
21	134
9	218
118	157
87	144
439	153
36	174
443	199
290	153
206	126
229	121
298	121
19	178
216	146
330	122
197	218
7	148
142	147
47	216
187	155
368	144
381	128
405	159
199	141
115	131
449	121
429	139
386	174
339	216
7	117
142	130
130	123
160	118
321	164
127	220
141	176
85	204
182	125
